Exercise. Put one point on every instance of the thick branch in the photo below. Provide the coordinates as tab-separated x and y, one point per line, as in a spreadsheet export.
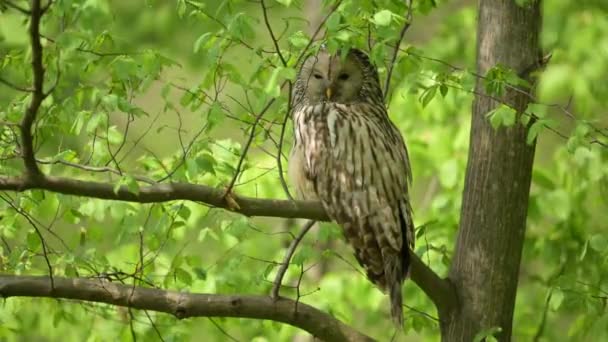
439	290
182	304
168	192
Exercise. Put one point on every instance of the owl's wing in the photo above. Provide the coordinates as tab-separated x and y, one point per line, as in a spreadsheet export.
359	166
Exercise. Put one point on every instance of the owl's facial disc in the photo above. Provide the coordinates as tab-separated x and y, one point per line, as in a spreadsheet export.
333	79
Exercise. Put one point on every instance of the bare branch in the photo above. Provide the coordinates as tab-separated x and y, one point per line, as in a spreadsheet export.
406	26
439	290
27	139
318	30
14	86
90	168
168	192
272	36
17	8
275	41
183	305
276	286
280	147
248	144
45	252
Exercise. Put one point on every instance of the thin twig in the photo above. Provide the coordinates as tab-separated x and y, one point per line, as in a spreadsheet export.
541	327
89	168
290	86
247	145
272	36
15	87
45	252
17	8
224	332
153	324
131	327
280	147
276	287
406	26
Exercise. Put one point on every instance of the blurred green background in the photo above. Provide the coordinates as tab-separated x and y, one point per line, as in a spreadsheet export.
169	90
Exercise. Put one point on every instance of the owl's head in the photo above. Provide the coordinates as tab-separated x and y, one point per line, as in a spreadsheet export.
334	78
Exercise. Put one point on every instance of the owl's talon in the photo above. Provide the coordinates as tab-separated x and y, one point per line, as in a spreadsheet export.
230	201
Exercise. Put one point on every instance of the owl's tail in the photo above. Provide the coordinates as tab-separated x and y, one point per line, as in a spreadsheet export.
396	269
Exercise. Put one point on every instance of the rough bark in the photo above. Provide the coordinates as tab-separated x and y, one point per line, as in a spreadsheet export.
495	200
182	304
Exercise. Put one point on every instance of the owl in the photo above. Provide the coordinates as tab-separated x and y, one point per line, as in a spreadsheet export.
349	155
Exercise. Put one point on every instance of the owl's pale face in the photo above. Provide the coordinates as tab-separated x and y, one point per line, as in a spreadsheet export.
332	79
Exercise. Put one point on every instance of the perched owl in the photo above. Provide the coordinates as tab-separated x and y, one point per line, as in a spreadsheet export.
350	156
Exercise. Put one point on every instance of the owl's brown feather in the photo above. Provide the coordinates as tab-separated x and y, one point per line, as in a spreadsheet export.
355	160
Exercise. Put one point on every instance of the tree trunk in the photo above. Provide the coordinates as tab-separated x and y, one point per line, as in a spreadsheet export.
485	268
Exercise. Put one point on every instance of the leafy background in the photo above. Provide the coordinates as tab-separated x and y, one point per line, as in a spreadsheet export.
169	90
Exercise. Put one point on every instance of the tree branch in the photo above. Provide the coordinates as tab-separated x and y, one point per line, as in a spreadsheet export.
406	26
17	8
278	280
168	192
439	290
182	304
27	139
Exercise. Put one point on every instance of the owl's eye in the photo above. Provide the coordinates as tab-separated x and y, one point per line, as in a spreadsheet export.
343	77
317	76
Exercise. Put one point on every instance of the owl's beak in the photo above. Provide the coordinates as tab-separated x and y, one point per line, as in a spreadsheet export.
328	93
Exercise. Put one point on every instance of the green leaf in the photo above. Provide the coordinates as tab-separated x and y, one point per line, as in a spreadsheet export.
428	95
383	18
584	251
215	116
542	179
304	253
533	131
557	297
184	212
536	109
33	241
502	115
487	335
343	36
272	87
95	121
202	41
114	136
333	22
48	206
508	117
443	89
129	182
290	74
299	40
206	163
285	3
81	118
599	243
183	276
181	8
